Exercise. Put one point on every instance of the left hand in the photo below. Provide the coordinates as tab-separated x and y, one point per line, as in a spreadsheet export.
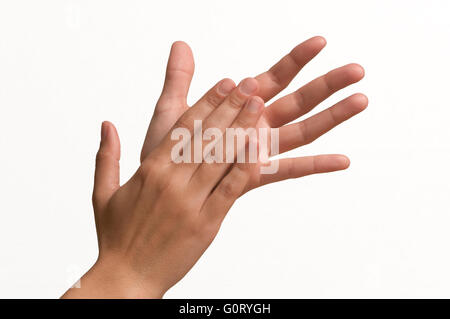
180	69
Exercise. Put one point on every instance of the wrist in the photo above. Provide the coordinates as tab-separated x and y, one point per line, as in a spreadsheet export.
112	280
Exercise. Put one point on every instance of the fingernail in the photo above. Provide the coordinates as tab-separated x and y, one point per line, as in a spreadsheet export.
104	132
248	86
322	39
343	160
225	87
253	105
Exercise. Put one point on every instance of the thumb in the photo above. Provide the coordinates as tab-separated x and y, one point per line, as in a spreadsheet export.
179	72
172	103
107	166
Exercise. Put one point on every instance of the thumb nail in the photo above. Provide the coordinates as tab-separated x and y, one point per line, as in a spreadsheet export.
104	132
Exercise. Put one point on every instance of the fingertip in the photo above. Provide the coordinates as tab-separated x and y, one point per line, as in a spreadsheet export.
343	161
248	86
361	100
181	56
104	131
336	162
258	99
180	44
320	39
225	86
110	126
110	138
312	46
181	49
358	102
179	72
357	70
250	79
350	73
230	81
255	104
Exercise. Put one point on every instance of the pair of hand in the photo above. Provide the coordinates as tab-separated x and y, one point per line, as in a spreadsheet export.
154	228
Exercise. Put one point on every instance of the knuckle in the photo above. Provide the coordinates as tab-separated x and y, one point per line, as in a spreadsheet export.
162	185
275	79
188	208
102	155
327	82
300	100
235	101
314	164
151	175
228	189
213	99
185	122
177	213
290	168
207	230
183	214
193	228
94	199
241	122
334	119
149	167
304	136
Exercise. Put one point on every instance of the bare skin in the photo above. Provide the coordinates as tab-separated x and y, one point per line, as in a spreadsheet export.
154	228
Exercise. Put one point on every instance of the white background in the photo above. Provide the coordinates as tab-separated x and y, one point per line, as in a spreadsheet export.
379	229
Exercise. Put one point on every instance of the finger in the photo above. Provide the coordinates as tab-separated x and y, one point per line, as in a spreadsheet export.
200	110
220	118
172	102
305	132
229	113
302	166
226	113
206	105
107	166
225	194
179	72
234	147
281	74
300	102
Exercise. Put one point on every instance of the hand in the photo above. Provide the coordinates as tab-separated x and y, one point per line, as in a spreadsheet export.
180	69
153	229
